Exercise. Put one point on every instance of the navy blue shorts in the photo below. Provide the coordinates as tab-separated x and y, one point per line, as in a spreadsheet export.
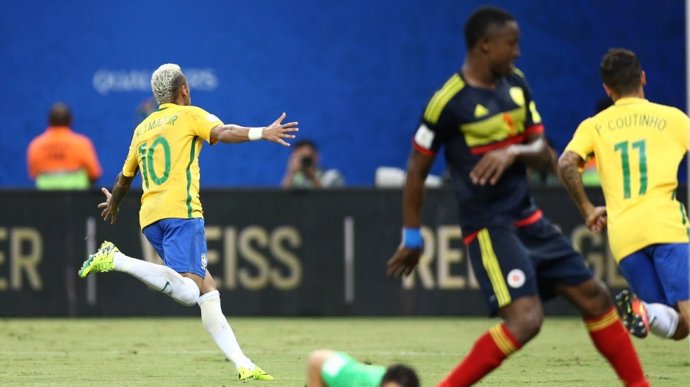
511	262
181	243
659	273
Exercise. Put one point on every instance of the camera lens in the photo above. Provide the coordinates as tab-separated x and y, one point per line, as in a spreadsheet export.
306	162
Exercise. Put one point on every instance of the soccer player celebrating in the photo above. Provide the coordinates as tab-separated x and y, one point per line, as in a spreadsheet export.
487	120
638	146
165	148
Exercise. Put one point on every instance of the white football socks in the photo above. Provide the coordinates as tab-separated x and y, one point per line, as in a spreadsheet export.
159	277
217	326
185	291
663	320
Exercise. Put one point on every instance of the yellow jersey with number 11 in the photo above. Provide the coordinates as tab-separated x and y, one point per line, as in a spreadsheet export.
638	146
165	148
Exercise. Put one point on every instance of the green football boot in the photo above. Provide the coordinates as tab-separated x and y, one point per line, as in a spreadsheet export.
256	374
101	261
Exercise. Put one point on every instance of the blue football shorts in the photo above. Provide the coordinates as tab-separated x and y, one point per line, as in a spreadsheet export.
659	273
511	262
181	243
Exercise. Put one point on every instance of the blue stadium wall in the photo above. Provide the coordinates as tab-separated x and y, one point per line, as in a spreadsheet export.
356	74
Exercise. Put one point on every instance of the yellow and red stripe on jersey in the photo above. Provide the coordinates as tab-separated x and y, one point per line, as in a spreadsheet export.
498	131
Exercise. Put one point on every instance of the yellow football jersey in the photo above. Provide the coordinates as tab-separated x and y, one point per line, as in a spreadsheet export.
638	146
165	149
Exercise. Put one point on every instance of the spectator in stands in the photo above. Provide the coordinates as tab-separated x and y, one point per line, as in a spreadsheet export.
60	158
303	170
328	368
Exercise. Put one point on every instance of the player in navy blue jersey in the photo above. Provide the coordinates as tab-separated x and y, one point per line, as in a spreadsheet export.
486	119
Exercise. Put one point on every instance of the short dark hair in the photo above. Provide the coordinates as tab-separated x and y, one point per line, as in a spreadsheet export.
401	374
621	70
60	115
480	20
305	142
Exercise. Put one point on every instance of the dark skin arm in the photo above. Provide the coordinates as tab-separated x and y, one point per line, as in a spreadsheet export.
418	165
568	171
535	153
111	206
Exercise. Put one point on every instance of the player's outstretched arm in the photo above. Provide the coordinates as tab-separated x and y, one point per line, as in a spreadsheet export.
568	163
111	207
275	132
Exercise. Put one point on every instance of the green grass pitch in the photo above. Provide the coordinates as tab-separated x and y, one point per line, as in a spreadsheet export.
178	352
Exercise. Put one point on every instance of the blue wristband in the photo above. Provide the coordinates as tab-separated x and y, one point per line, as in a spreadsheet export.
412	238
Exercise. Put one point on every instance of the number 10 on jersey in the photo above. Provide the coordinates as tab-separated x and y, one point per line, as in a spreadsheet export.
148	170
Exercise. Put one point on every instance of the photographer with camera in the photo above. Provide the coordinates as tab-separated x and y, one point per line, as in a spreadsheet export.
303	169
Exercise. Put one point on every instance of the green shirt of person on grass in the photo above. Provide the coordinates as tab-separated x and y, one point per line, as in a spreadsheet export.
329	368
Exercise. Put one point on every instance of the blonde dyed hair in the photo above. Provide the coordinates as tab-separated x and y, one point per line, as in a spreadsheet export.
166	82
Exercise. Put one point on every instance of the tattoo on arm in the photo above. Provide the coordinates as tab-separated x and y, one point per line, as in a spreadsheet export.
570	176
